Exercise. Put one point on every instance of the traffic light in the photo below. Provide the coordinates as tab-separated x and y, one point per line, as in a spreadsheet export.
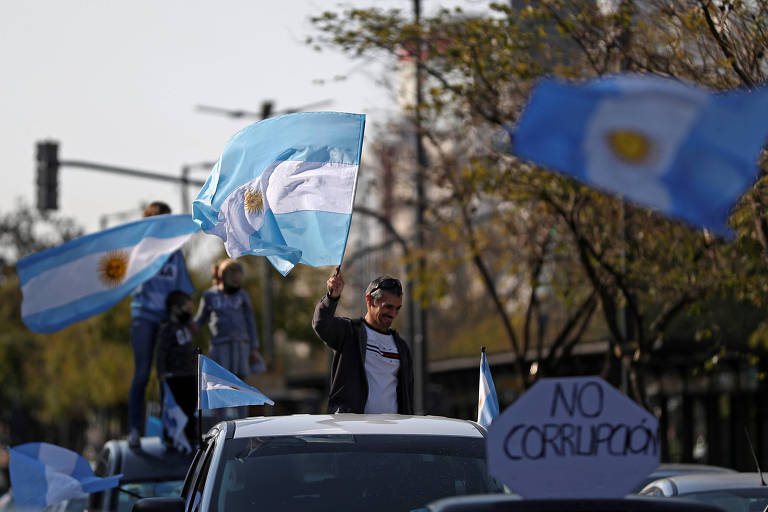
266	109
47	175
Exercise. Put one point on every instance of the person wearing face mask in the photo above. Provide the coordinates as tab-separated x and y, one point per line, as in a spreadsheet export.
227	310
177	357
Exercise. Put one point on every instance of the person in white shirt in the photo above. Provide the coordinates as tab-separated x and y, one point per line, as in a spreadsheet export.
372	369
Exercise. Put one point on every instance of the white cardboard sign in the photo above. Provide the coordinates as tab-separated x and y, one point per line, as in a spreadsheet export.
575	437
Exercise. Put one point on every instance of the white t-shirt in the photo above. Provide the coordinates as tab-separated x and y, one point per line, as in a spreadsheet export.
382	361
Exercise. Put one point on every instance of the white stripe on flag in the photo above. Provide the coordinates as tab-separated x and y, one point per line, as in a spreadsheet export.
296	186
80	277
211	383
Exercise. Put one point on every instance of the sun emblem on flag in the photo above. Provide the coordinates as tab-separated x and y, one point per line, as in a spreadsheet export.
630	146
254	201
113	267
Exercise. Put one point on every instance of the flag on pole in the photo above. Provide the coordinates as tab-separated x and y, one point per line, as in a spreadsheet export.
218	387
284	188
90	274
44	474
679	149
488	402
174	420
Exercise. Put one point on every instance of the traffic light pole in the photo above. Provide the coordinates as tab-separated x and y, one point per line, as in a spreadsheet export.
48	165
184	180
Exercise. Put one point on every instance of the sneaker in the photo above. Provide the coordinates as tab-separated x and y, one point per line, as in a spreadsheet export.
133	438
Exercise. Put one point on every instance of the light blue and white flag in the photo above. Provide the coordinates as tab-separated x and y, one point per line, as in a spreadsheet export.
661	143
174	420
90	274
44	474
488	402
284	188
218	387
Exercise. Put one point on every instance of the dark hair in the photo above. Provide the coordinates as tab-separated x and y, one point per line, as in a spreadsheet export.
156	208
176	298
384	283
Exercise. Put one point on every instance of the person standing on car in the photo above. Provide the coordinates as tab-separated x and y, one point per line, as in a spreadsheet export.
372	369
147	313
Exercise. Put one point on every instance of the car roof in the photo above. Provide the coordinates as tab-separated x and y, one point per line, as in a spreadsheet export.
703	482
502	502
150	462
677	468
336	424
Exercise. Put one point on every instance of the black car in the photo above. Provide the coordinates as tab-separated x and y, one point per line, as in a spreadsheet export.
148	471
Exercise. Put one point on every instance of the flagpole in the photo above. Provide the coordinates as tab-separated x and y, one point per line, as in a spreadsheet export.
199	410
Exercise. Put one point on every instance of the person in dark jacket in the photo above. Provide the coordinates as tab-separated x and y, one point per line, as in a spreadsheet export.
177	357
372	367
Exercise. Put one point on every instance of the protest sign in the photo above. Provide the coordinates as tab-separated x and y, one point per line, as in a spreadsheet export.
575	437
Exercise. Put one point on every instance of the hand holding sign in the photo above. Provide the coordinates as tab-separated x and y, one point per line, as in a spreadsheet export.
573	437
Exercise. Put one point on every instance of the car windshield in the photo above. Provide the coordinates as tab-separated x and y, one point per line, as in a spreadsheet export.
734	500
125	500
348	472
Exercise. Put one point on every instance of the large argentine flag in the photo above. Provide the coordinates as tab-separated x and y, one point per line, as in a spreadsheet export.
90	274
284	188
487	402
44	474
671	146
218	387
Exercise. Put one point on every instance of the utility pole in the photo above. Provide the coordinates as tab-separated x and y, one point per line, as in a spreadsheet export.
48	165
421	377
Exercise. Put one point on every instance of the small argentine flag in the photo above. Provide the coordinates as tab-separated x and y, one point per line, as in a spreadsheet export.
488	402
44	474
174	420
90	274
218	387
284	188
661	143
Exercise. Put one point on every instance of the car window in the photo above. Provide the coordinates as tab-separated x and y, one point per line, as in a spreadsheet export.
165	489
376	472
734	500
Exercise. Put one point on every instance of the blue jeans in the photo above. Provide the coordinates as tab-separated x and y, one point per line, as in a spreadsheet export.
143	333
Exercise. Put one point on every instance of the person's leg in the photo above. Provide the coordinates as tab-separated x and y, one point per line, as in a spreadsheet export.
184	389
143	342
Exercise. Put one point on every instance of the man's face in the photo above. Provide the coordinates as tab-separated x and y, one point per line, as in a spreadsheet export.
383	311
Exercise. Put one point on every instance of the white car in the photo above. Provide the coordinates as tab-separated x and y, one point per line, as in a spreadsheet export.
333	462
734	492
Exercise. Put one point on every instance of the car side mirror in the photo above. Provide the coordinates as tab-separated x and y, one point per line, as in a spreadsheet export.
173	504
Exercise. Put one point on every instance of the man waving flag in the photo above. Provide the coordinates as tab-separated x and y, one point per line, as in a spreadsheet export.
284	188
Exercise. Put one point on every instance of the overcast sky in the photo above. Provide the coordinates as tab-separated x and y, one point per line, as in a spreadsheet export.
117	83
